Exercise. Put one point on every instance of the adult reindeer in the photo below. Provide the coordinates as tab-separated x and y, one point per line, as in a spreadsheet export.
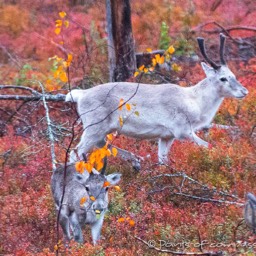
166	111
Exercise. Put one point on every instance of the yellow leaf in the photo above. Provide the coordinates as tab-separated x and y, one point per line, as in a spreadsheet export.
176	67
82	200
114	152
110	137
161	60
141	67
70	57
132	223
145	70
56	247
92	198
121	220
149	50
57	31
154	62
121	102
62	14
128	106
66	23
136	73
106	184
99	165
171	49
117	188
63	77
58	23
61	42
151	69
121	122
136	113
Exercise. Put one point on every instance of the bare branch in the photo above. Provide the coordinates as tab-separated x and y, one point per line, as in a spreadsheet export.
49	128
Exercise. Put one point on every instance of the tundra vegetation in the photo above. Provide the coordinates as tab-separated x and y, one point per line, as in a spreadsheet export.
49	47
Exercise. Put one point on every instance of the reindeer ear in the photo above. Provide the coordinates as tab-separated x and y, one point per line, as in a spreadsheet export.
209	71
113	178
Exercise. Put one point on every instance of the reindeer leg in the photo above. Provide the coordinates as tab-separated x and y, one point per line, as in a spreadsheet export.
128	156
163	149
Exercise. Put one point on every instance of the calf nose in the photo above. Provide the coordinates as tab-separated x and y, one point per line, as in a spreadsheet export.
98	207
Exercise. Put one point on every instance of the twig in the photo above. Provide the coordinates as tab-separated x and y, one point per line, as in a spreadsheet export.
49	128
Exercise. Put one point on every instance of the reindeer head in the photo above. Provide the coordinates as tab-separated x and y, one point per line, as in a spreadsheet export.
220	75
97	186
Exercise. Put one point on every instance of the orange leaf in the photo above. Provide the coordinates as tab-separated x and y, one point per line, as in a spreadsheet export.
88	167
106	184
92	198
121	102
161	60
141	67
62	14
128	106
121	121
132	223
136	73
82	200
114	152
66	23
110	137
57	31
149	50
121	220
171	49
58	23
117	188
63	77
80	167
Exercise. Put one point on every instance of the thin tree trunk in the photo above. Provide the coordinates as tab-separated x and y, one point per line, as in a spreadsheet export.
122	62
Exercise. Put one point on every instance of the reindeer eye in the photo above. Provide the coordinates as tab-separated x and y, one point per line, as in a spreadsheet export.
223	79
106	188
87	189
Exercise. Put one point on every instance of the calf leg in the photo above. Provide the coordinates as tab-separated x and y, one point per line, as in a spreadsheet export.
76	228
96	229
64	221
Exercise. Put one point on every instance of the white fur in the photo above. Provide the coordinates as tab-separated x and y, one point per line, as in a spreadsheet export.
166	111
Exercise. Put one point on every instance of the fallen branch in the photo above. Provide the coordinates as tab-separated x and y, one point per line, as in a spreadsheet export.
34	97
151	245
49	128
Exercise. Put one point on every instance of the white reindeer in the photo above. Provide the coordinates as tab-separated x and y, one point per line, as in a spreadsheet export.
166	111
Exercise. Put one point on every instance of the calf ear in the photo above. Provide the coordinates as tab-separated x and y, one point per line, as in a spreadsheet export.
113	178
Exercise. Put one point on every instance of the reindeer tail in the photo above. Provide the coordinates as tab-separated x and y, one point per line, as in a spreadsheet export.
73	95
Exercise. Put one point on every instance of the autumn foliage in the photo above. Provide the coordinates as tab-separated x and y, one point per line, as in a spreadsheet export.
63	45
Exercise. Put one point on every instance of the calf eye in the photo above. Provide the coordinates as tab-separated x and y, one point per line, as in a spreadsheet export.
223	79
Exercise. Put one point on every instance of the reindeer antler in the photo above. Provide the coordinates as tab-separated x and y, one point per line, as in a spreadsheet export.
202	49
222	44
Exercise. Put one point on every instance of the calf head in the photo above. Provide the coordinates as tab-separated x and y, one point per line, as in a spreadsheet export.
97	186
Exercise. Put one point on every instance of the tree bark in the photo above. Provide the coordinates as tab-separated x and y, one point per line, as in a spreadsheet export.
121	53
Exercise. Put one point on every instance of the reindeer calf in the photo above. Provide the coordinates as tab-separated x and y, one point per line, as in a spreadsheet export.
75	214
